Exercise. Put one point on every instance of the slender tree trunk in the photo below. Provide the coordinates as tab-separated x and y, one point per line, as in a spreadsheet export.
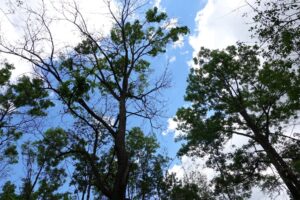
119	190
290	179
286	173
89	190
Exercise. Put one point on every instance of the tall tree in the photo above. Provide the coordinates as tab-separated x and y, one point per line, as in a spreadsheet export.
231	93
103	81
147	166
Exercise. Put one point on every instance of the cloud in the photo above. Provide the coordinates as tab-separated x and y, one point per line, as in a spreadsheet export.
172	59
157	3
64	33
221	23
184	52
190	165
172	128
172	23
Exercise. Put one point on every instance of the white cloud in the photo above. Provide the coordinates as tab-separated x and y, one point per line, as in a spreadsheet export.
13	26
172	23
172	128
189	165
184	52
157	3
220	23
179	43
172	59
191	63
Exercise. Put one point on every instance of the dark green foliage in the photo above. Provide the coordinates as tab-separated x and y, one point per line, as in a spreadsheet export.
147	165
26	92
146	172
30	92
5	74
231	93
154	16
44	174
19	103
277	26
8	192
107	73
113	73
193	186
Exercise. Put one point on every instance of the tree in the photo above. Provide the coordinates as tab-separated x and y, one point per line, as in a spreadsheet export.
103	81
8	192
21	102
44	175
277	27
147	168
239	171
232	94
192	186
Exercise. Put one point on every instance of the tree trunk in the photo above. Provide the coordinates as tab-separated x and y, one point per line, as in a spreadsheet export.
286	173
119	190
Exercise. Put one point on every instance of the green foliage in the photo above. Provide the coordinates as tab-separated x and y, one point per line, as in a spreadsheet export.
153	15
25	93
19	102
232	93
133	41
44	174
147	165
100	76
5	74
8	192
277	26
30	92
193	186
11	153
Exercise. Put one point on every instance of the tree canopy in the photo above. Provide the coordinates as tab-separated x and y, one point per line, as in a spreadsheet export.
231	93
251	92
241	103
101	83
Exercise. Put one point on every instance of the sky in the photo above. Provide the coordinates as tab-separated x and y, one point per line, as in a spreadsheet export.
212	23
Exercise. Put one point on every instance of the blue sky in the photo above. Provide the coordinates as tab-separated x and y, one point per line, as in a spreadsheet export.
177	58
212	24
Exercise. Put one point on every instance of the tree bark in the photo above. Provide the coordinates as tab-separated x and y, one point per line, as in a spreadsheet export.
285	172
119	190
290	179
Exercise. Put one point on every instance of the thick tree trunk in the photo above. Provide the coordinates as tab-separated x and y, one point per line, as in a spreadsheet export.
119	190
286	173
